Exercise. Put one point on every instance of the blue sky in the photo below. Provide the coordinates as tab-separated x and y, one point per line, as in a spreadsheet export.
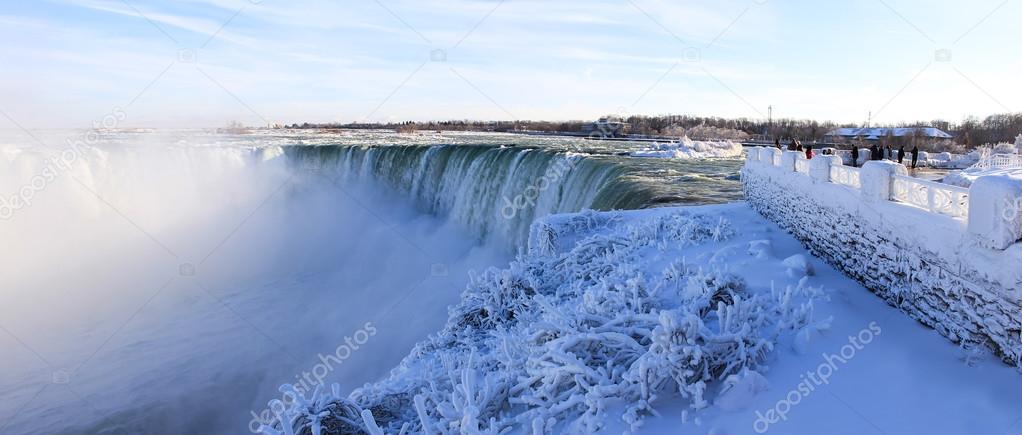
200	63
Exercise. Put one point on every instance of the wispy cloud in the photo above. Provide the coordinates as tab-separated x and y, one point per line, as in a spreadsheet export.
327	60
207	27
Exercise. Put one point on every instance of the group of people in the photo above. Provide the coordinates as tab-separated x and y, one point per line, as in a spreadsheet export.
876	152
796	145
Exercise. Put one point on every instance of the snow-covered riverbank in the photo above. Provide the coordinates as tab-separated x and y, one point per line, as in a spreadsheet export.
708	319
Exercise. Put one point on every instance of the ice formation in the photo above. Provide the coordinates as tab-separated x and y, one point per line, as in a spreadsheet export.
690	149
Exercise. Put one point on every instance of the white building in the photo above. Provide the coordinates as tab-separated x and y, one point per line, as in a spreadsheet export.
874	134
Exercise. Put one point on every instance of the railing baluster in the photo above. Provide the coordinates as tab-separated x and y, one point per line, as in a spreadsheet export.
929	200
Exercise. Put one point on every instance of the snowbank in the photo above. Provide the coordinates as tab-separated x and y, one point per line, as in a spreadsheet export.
946	160
966	177
690	149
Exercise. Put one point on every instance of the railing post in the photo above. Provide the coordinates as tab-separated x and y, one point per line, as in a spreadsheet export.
995	211
819	167
770	156
753	154
864	156
876	178
788	160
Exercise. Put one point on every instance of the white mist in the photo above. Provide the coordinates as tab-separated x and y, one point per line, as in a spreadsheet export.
171	288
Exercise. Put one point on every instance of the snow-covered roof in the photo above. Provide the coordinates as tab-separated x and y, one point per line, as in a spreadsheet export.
876	133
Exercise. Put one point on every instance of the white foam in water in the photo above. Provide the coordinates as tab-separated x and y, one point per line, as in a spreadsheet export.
162	288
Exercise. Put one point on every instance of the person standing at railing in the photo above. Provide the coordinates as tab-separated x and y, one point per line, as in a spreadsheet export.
855	156
901	154
888	153
809	151
915	155
777	143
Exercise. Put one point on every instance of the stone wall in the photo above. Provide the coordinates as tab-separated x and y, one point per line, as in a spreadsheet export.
927	265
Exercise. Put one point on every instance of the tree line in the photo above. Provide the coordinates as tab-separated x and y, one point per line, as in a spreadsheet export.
970	132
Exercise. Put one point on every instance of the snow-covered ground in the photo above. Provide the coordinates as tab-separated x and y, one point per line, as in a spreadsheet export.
677	320
965	178
984	162
691	149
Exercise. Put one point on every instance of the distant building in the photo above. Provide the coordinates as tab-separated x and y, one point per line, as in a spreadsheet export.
605	127
875	134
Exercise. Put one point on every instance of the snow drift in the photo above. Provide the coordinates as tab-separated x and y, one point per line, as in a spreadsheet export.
690	149
966	177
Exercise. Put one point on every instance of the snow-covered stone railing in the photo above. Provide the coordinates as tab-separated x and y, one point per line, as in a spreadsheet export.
998	226
930	195
949	257
1000	161
847	175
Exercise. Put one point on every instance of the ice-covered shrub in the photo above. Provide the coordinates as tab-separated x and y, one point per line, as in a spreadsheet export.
324	413
563	337
1005	148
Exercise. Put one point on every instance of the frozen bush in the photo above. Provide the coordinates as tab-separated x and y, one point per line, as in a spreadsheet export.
552	343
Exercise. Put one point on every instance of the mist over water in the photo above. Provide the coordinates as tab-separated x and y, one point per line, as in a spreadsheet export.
195	281
170	283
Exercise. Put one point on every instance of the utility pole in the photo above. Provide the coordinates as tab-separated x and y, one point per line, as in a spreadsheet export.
770	119
869	119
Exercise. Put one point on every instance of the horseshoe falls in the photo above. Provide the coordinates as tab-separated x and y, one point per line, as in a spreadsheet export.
186	275
494	193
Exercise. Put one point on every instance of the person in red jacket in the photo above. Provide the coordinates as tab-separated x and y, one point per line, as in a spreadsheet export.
809	151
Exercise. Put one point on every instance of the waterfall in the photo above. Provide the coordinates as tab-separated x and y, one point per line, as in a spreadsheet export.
494	192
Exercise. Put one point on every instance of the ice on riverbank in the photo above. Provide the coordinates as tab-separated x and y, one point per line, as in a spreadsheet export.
655	319
690	149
